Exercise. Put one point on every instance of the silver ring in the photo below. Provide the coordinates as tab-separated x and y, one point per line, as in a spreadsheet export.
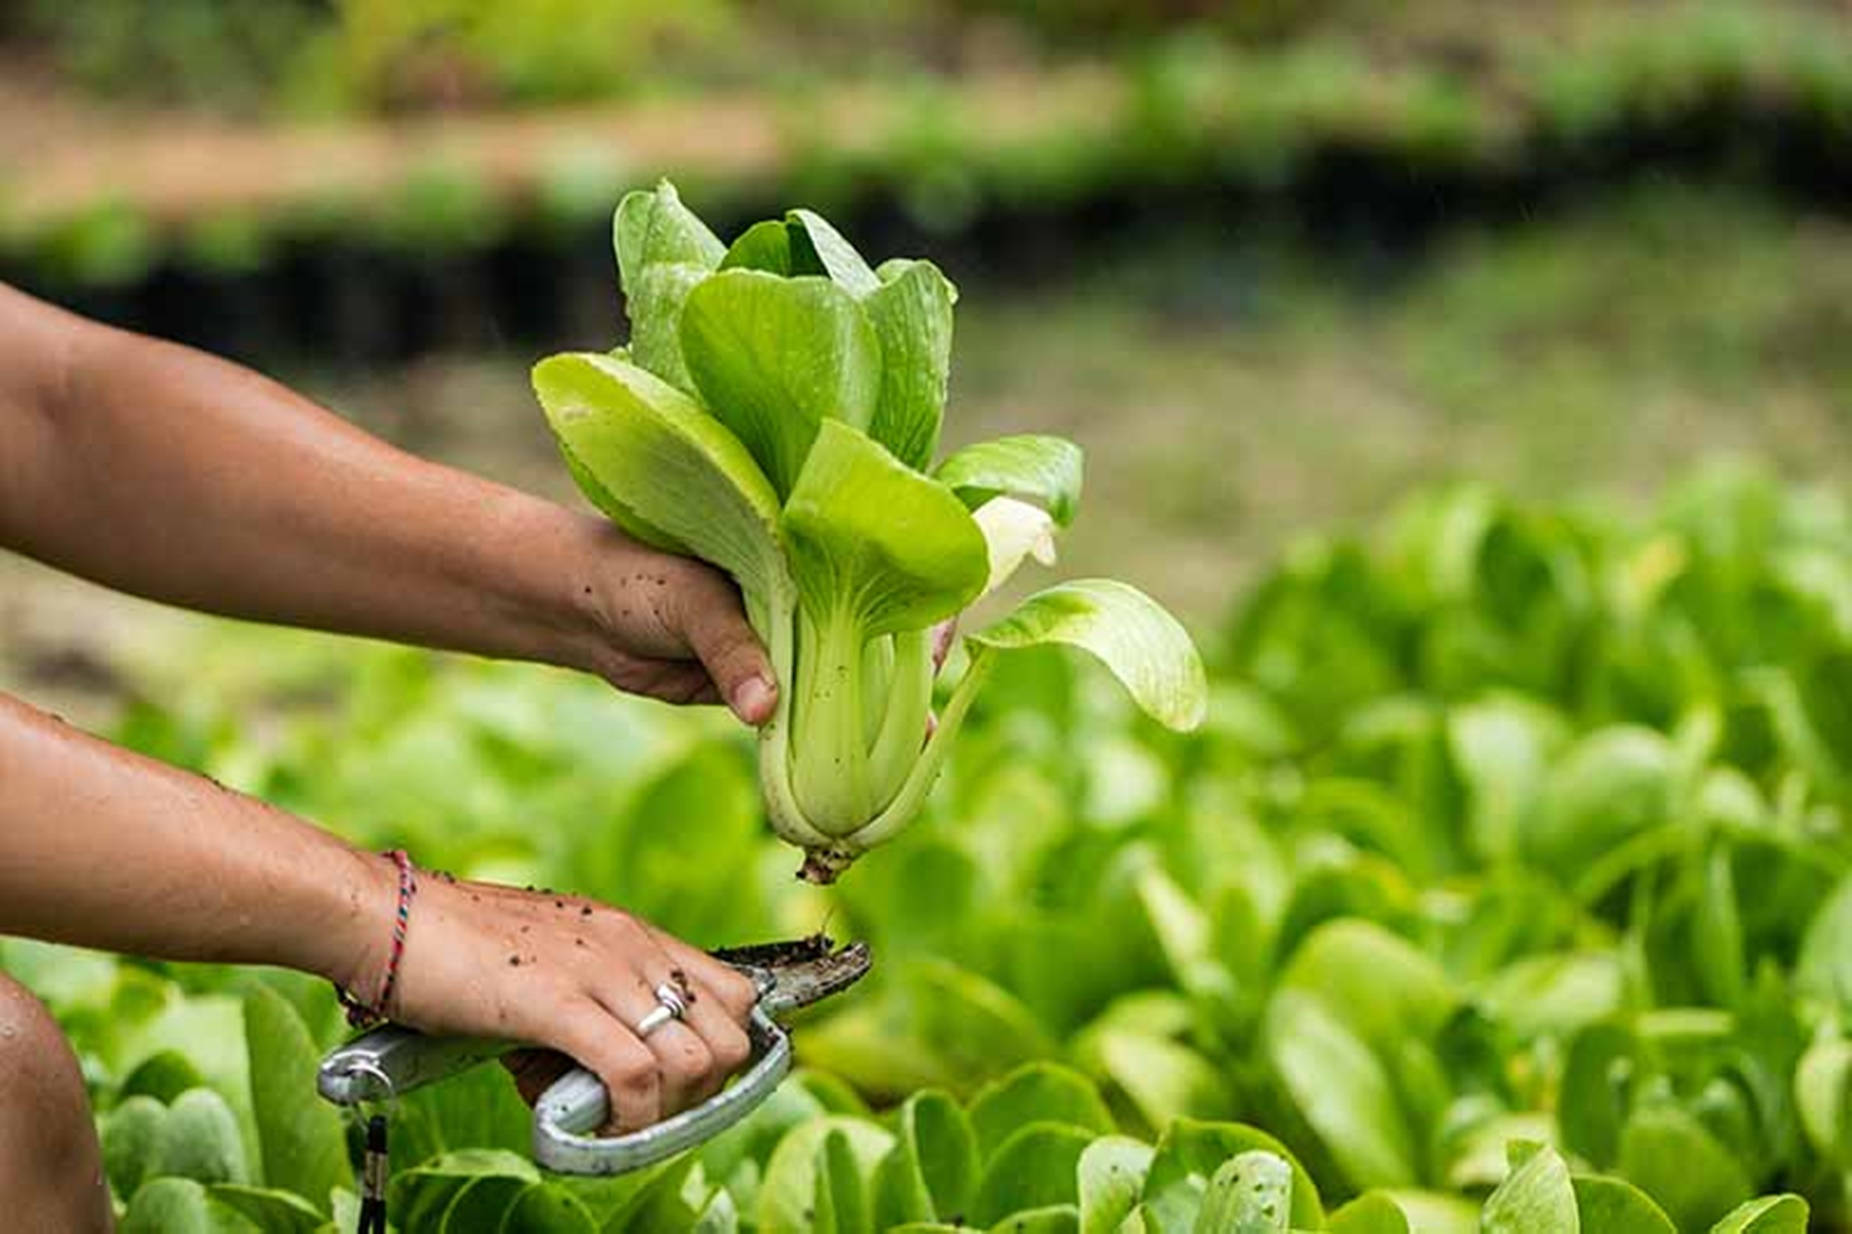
670	1006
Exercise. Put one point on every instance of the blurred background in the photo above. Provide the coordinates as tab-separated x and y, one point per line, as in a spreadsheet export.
1274	263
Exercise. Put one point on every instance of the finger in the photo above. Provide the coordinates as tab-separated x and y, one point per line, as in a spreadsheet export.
728	1047
735	991
683	1060
716	629
609	1049
680	682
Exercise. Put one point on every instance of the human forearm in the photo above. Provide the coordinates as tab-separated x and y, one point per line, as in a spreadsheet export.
160	470
166	472
102	848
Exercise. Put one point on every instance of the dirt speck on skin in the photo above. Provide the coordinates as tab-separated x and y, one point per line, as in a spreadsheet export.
514	961
559	904
586	911
683	985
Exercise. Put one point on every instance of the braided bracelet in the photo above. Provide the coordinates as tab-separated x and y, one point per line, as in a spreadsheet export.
365	1015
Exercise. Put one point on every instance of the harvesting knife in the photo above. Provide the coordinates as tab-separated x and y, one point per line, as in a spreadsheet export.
391	1060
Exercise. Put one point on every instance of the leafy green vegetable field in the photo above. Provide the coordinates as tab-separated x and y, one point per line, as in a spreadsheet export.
1506	883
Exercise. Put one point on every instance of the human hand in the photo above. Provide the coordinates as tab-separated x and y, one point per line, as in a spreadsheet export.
572	977
673	628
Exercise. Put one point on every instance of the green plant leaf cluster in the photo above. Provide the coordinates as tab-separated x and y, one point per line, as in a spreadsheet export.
1508	825
777	413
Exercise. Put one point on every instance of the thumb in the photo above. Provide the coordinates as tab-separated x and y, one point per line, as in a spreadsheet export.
719	636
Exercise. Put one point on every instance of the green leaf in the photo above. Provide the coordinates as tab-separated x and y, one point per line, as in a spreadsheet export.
668	462
1037	1092
721	1216
1164	1079
895	548
653	227
131	1142
163	1075
623	1200
911	312
271	1210
788	1192
1823	968
200	1140
1012	531
478	1109
1592	1107
1612	785
1430	1212
1250	1194
841	1202
876	549
1822	1096
933	1170
774	358
1770	1214
1111	1175
1537	1197
663	252
1144	646
1342	1089
1373	1212
753	1138
304	1147
1605	1203
1501	750
656	310
1031	467
1188	1156
763	246
672	1201
1050	1219
482	1204
1034	1168
419	1197
1383	987
1551	994
818	248
548	1208
1672	1158
346	1207
1717	931
181	1206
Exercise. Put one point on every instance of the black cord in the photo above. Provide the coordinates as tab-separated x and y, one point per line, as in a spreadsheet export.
373	1167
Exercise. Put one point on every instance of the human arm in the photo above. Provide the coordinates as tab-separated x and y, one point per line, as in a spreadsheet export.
103	848
159	470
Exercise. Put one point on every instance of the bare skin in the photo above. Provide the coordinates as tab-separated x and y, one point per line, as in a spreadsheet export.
168	473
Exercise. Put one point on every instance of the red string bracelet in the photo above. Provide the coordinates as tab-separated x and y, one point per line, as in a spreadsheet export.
364	1015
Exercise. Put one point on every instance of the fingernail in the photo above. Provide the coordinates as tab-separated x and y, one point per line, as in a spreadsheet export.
753	699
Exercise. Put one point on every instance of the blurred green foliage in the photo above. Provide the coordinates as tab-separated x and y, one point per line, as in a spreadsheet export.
1512	824
1755	94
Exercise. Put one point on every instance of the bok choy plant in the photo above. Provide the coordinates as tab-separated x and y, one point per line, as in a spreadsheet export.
777	414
